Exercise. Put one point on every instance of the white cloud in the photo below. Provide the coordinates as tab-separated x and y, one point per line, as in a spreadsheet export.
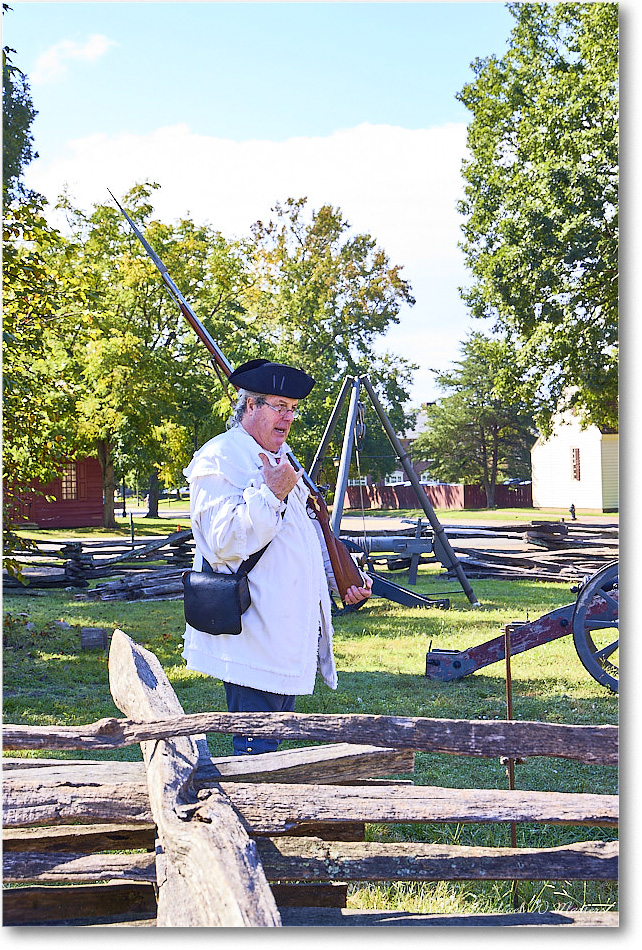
399	185
53	64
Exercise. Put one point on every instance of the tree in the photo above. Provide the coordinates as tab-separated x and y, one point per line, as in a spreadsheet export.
319	298
39	296
138	364
483	429
18	114
541	205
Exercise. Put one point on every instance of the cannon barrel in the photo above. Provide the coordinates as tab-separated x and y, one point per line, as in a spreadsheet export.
391	545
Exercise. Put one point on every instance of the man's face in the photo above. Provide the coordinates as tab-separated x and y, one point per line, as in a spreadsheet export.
267	425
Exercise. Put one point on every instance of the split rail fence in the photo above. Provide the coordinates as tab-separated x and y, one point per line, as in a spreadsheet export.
186	840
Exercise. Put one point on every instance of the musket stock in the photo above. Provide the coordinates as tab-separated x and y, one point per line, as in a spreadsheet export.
345	571
344	568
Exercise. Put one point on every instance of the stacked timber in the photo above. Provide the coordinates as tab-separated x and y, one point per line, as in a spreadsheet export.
163	583
565	552
84	561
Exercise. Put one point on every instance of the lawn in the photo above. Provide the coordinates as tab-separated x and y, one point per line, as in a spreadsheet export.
380	652
175	514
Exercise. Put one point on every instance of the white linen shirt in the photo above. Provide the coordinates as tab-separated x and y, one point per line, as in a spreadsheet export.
286	631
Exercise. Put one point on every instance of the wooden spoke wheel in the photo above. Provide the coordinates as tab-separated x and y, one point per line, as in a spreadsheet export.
595	626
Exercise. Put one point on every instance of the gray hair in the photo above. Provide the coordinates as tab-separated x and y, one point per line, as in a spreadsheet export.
241	406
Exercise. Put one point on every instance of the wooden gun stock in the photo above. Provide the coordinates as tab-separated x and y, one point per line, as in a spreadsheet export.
346	573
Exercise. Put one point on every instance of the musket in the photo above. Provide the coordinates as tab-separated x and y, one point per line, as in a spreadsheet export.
346	573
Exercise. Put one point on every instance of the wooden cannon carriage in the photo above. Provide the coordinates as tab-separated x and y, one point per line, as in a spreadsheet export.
182	839
592	620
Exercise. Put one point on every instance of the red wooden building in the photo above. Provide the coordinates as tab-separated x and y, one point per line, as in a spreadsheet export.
78	497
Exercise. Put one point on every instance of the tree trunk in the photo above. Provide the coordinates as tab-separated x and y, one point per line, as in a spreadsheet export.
152	497
489	488
494	462
109	483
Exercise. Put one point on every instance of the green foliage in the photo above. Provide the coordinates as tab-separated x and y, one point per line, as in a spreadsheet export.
35	396
146	386
483	430
18	114
298	292
541	205
319	297
41	304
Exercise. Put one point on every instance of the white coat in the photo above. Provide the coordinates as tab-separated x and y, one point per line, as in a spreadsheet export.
287	630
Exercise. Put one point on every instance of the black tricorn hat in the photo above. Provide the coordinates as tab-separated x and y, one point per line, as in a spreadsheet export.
262	376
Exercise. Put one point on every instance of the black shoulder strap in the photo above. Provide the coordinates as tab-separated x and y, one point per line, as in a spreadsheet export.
249	562
244	568
247	565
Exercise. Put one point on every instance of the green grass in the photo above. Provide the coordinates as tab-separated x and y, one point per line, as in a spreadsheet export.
178	514
143	527
380	652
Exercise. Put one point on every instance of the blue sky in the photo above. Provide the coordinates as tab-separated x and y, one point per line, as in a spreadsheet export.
232	107
249	70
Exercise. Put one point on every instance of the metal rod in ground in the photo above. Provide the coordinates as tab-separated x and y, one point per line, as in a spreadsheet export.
346	458
329	429
443	550
510	763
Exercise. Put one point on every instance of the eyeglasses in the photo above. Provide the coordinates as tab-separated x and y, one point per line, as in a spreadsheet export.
282	410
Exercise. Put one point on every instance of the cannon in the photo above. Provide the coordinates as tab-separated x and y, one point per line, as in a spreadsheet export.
411	549
407	553
592	620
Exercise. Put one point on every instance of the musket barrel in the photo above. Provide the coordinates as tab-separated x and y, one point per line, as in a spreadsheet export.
206	337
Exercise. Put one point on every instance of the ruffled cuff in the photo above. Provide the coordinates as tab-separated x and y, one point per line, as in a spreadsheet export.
271	498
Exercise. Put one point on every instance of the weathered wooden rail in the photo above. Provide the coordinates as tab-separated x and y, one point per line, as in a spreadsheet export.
76	561
182	839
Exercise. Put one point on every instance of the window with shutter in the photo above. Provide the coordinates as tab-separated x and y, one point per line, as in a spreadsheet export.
69	487
575	463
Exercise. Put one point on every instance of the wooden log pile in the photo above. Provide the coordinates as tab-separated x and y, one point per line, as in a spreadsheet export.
564	552
162	583
540	551
181	839
83	561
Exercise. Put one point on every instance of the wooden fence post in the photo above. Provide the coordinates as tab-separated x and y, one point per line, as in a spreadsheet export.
209	873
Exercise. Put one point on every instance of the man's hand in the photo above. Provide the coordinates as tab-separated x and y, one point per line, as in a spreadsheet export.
281	478
354	595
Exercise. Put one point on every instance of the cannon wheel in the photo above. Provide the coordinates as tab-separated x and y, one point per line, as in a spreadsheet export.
595	626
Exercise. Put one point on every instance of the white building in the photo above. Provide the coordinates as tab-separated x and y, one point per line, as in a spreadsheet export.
576	466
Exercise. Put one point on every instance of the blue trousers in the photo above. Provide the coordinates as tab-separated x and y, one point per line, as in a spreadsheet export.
246	699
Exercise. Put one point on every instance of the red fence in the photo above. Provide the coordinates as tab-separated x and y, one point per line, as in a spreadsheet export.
390	497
